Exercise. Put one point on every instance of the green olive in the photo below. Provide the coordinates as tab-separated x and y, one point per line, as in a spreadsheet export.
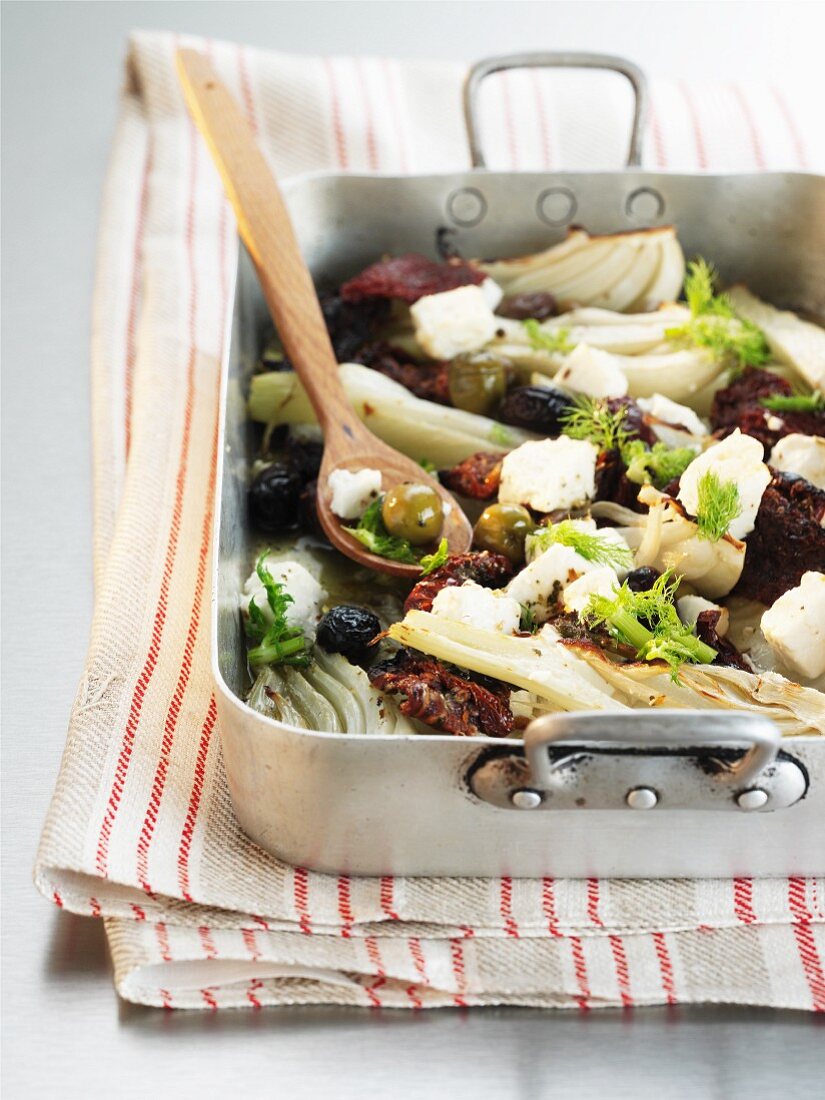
503	528
478	381
413	512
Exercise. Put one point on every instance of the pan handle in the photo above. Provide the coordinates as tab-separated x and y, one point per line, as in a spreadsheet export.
669	729
564	60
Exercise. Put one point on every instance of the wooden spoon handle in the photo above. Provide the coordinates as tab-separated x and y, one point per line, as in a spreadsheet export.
266	230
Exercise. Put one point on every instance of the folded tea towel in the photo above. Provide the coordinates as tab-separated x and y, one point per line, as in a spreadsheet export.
141	830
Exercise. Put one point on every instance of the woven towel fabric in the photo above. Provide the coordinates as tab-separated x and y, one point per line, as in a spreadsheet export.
141	831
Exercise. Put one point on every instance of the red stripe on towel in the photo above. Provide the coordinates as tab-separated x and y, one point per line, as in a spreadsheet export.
509	120
806	945
743	900
345	906
542	120
369	119
337	122
548	905
459	972
248	936
246	89
622	969
593	902
696	127
506	907
185	670
386	892
301	891
665	966
418	959
793	130
580	970
397	114
159	622
750	122
162	936
658	135
188	832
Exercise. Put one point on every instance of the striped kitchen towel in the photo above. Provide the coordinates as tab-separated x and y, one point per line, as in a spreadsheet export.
141	830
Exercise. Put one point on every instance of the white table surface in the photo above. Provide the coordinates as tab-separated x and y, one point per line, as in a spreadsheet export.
64	1032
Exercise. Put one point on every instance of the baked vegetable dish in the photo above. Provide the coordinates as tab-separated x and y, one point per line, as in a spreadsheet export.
642	456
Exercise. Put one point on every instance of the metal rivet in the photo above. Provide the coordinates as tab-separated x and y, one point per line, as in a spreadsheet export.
525	800
557	205
645	204
754	799
466	206
642	798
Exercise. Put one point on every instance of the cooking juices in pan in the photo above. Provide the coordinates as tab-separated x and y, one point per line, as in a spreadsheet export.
643	460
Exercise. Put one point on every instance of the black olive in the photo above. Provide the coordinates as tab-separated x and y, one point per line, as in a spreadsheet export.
642	579
522	307
348	629
273	498
536	408
305	457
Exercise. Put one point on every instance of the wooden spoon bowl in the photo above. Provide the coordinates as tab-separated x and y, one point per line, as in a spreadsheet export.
265	227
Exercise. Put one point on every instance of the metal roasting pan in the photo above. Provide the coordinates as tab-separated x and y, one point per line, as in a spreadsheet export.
644	794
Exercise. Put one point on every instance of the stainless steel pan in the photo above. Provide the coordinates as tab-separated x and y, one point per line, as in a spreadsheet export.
656	794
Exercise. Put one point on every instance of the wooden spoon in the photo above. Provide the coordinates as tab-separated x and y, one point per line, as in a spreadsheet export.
265	228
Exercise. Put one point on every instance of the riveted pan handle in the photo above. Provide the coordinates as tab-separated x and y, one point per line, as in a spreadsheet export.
485	68
668	729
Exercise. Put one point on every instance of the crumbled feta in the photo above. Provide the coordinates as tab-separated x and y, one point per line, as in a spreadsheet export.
738	458
691	607
601	582
670	421
453	322
549	474
795	626
803	455
353	491
539	586
307	594
774	423
591	371
479	607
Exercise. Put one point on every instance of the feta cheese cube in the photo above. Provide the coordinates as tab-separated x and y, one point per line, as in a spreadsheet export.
307	594
456	321
737	458
539	586
690	608
591	371
795	626
549	474
492	293
601	582
353	491
671	422
803	455
479	607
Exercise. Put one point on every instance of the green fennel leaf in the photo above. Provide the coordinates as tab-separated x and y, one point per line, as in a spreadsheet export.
432	561
794	402
590	545
714	325
427	466
717	507
592	419
649	622
527	621
372	533
659	465
552	340
278	642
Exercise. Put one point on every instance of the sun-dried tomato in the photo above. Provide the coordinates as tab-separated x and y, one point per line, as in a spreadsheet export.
787	540
427	380
707	623
464	705
482	566
743	393
410	277
478	476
